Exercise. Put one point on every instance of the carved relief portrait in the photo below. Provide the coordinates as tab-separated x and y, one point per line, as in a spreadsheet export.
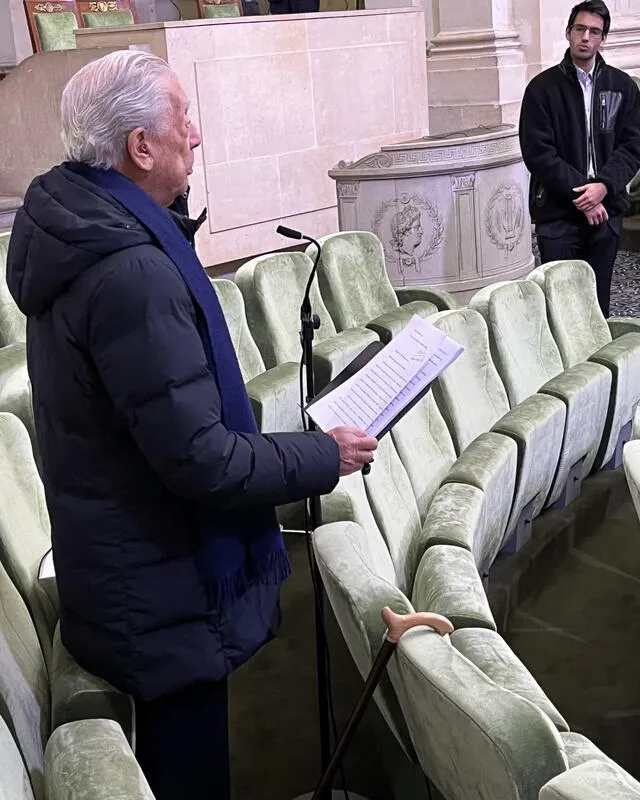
410	229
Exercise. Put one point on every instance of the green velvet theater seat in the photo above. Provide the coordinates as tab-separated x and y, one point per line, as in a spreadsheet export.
273	287
13	323
221	10
92	760
107	19
356	288
582	334
25	708
473	400
529	361
25	534
56	31
274	393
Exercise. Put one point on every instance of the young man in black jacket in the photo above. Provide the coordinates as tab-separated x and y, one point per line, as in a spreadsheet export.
580	140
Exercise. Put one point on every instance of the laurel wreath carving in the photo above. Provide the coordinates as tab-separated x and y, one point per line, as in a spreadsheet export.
437	234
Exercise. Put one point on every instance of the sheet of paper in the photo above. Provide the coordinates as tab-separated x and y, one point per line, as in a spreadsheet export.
46	570
377	393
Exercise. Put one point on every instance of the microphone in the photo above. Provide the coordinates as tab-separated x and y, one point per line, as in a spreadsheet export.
290	233
309	322
305	309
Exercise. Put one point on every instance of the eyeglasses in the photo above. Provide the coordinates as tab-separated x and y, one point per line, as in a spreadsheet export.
582	29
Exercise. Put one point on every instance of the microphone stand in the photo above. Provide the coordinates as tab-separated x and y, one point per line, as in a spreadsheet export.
309	323
397	624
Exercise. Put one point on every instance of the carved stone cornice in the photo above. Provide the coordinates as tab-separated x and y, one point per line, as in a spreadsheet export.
483	42
429	156
624	33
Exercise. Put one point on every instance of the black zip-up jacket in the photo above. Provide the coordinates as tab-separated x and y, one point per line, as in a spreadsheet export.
555	144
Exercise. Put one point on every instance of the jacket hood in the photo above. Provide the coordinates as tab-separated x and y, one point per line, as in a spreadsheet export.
65	226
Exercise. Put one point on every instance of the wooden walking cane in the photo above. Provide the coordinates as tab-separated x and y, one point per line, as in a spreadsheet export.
397	626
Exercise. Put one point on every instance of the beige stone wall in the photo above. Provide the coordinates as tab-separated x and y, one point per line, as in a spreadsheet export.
482	53
541	25
15	44
344	84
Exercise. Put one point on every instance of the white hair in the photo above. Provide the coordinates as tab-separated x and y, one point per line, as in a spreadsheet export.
107	99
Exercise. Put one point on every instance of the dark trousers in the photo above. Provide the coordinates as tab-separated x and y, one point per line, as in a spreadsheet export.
294	6
597	245
182	743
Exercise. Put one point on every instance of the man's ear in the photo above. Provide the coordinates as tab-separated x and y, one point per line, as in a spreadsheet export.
139	150
567	34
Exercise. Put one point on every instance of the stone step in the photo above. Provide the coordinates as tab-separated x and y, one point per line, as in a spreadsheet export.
9	204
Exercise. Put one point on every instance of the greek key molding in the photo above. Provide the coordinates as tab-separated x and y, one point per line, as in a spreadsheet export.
474	152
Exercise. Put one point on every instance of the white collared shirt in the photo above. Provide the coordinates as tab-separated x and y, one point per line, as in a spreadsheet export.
586	82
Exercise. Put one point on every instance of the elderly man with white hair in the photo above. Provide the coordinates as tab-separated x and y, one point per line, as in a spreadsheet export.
160	489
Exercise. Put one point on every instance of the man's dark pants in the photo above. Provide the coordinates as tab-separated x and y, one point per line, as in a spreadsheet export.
182	743
595	244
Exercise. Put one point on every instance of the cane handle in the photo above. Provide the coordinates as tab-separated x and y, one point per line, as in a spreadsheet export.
399	624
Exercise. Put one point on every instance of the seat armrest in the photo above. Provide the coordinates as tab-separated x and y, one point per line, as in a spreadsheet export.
388	325
92	760
447	582
443	300
275	398
593	780
77	694
332	355
621	325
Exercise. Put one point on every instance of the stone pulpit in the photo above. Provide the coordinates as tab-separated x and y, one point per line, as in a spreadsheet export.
450	210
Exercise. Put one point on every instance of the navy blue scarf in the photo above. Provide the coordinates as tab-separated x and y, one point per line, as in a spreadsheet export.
239	548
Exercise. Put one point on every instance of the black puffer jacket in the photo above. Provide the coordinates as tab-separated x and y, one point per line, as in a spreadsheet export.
128	425
554	143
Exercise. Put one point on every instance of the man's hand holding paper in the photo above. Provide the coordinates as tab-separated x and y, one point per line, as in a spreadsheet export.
356	448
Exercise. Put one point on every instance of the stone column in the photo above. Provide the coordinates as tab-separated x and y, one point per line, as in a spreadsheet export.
476	65
542	25
15	44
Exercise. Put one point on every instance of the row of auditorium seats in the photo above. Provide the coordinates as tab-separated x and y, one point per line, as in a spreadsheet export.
543	394
52	26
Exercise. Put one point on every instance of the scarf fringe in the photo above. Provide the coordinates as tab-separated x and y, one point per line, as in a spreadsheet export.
272	569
